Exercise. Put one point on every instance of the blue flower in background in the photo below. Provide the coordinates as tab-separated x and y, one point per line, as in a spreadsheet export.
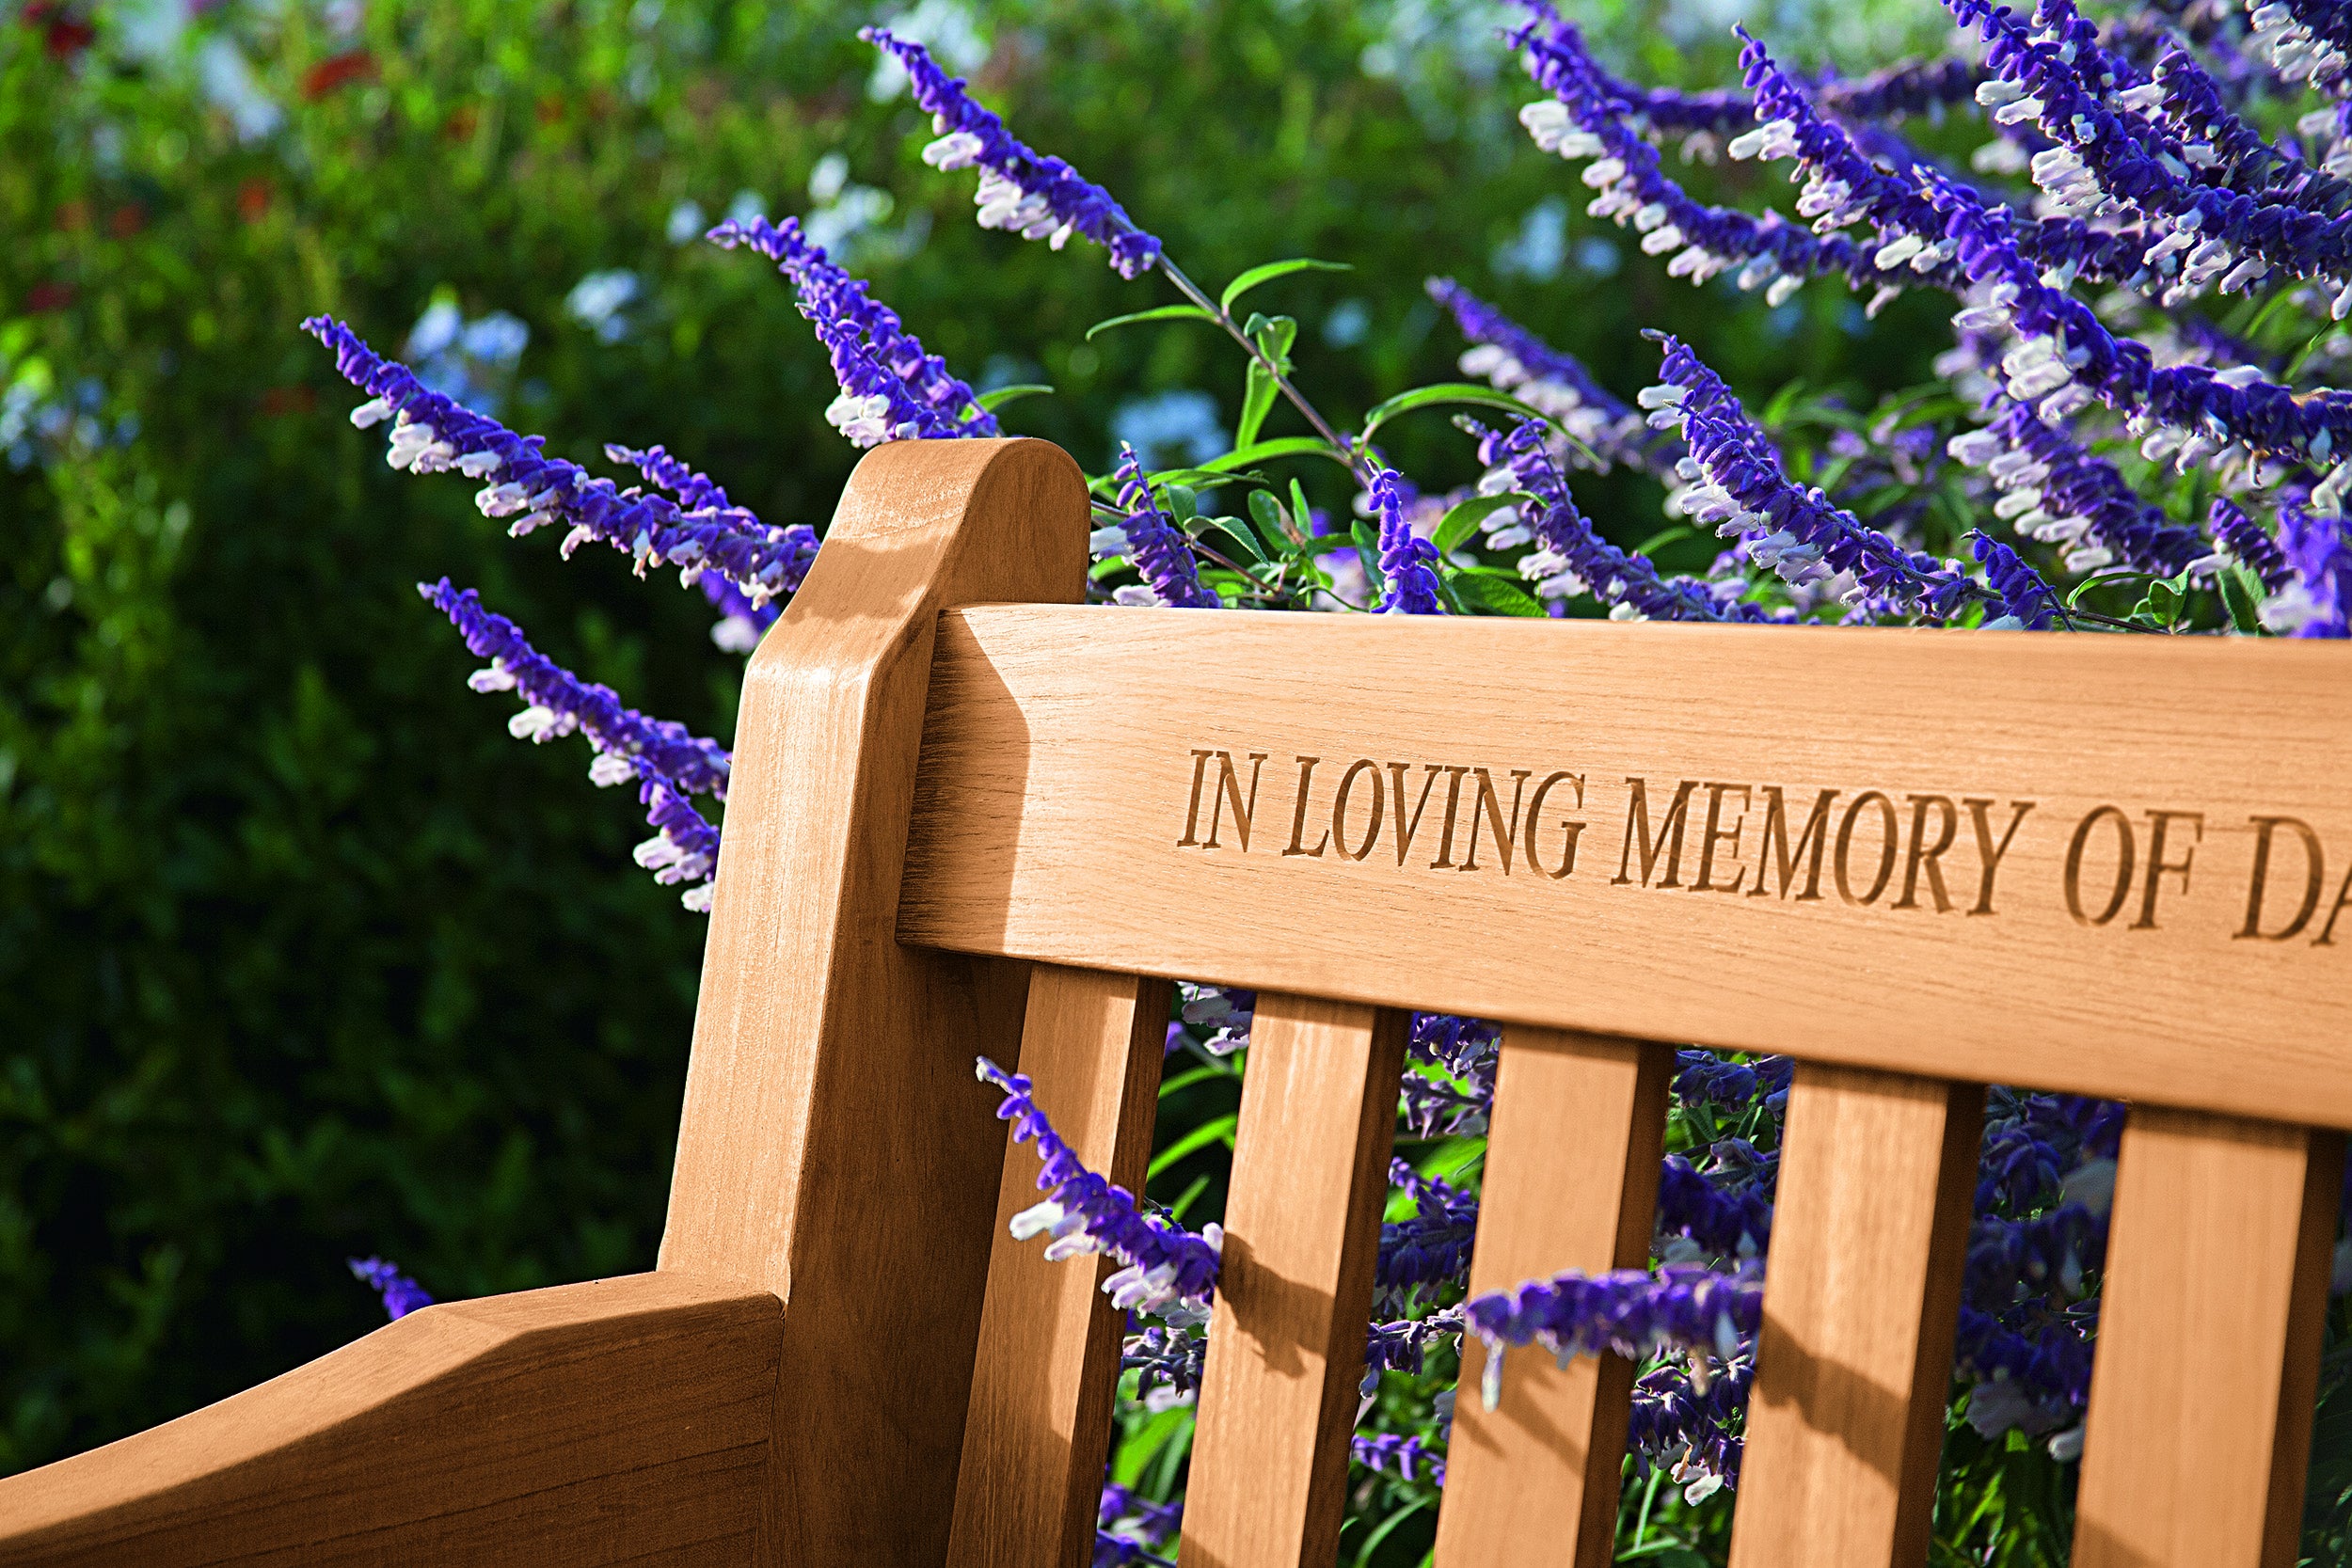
598	300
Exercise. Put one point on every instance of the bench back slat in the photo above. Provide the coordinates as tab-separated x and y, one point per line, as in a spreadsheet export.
1287	1338
1570	1181
1853	1364
1056	819
2209	1326
1047	1368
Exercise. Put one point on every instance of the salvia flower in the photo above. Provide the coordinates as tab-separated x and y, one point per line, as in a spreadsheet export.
1573	557
2237	537
1739	486
863	334
1406	1457
2057	491
1408	560
402	1295
1128	1528
1691	1423
431	433
666	762
1168	1272
1702	1077
1514	360
2317	596
1035	196
1155	547
1681	1309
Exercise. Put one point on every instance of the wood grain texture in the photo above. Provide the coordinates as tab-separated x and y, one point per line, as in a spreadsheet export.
1570	1182
2209	1337
1051	822
1861	1300
818	1153
1039	1432
1286	1339
623	1420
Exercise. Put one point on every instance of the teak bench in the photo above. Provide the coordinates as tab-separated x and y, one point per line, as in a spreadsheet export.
970	816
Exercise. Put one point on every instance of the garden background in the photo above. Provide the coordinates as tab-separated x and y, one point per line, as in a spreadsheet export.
301	958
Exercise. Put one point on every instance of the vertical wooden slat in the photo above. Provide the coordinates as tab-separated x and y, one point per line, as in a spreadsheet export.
1038	1431
1302	1227
1570	1182
2209	1333
1861	1300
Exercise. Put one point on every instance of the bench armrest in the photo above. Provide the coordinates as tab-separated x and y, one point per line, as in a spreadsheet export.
622	1419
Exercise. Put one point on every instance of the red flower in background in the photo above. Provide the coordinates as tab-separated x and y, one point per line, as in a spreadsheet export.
65	33
253	198
45	297
296	399
354	65
123	222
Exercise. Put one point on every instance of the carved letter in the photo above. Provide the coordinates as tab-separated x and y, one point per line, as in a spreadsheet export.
2344	896
1572	829
1714	836
2160	821
2315	869
1923	856
1407	826
1987	854
1890	832
1299	817
1453	803
1669	833
1488	808
2125	852
1783	858
1192	818
1228	792
1339	809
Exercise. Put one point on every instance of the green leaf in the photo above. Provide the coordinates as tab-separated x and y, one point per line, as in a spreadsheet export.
1202	479
1182	504
1267	513
1270	271
2241	593
1368	551
1496	595
1260	451
1176	1210
1449	391
1003	395
1274	336
1157	313
1217	1131
1256	403
1238	531
1664	536
1463	520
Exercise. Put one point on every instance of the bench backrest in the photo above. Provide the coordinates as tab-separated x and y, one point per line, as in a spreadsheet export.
970	816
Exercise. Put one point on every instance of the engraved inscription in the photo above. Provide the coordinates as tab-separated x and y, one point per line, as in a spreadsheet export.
2121	866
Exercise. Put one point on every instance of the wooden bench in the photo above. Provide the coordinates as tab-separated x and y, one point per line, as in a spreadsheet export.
971	817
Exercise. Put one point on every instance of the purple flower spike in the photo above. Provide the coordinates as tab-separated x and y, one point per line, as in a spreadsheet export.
868	343
1406	1457
1407	559
1738	484
667	762
1155	547
1514	360
1573	558
1168	1272
1036	196
431	433
402	1295
2242	540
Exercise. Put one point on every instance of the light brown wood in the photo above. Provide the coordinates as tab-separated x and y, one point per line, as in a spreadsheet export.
1854	1365
1039	1432
1570	1182
1286	1339
821	1153
1075	854
2209	1335
623	1420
